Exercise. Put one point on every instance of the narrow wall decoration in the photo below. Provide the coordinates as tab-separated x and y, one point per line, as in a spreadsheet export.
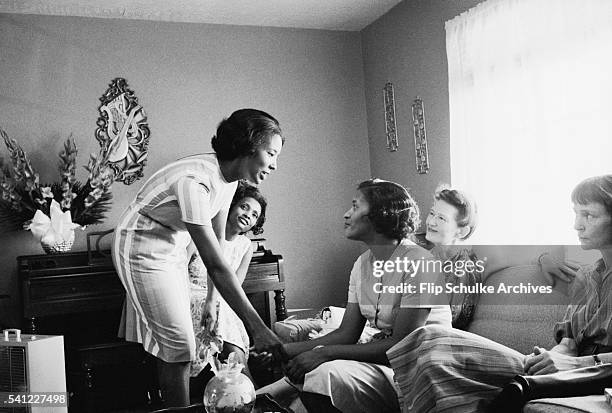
420	136
123	132
390	125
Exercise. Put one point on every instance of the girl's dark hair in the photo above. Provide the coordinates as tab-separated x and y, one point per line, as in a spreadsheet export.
245	190
241	133
467	213
393	212
595	189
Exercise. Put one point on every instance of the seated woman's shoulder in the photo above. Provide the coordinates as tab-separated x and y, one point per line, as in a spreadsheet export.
415	250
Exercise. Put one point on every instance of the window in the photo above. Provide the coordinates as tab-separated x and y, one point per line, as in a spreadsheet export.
530	90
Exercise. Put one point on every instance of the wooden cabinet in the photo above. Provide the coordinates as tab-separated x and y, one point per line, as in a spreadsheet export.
78	295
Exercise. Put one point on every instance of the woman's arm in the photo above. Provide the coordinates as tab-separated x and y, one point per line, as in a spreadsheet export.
212	295
219	222
348	333
227	283
407	320
566	346
547	362
563	356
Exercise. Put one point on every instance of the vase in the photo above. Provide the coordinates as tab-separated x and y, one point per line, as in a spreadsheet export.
52	243
229	391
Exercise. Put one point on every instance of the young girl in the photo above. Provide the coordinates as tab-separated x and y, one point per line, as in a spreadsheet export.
209	309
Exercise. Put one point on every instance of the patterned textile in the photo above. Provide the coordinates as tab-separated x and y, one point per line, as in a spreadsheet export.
449	370
462	305
230	328
588	319
150	253
191	190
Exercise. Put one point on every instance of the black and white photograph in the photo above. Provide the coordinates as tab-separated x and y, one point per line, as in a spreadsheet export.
305	206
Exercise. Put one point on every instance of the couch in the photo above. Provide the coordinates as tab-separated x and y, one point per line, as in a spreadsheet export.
522	324
517	321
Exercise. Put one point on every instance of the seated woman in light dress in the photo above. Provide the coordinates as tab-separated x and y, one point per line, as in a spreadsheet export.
338	374
209	310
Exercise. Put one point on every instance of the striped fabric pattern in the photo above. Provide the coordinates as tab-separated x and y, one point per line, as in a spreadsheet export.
589	319
190	190
150	253
441	369
449	370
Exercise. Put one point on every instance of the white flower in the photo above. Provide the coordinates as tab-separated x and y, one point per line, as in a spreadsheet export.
46	192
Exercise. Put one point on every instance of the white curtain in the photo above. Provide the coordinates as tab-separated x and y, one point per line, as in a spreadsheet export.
530	90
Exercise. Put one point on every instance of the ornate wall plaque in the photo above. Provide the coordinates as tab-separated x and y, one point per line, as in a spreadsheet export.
123	132
420	137
390	126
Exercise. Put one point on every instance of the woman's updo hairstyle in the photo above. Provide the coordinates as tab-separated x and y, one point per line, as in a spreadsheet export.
240	134
393	212
467	213
245	190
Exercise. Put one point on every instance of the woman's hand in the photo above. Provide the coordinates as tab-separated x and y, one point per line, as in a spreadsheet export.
265	341
553	270
542	361
210	316
298	366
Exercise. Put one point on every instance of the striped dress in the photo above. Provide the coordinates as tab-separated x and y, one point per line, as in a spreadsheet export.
150	253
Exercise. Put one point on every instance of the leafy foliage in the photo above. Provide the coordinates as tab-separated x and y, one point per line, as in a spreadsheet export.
21	193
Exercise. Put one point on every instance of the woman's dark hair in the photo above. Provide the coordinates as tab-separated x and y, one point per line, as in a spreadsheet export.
595	189
467	213
393	212
241	133
245	190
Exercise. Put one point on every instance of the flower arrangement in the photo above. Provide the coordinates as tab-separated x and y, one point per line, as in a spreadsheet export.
62	206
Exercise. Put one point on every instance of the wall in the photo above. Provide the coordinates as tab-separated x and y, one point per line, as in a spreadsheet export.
187	77
407	46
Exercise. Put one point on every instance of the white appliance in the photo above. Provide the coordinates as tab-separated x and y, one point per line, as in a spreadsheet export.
32	364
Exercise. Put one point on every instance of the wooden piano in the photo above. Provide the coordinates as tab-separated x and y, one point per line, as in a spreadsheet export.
78	295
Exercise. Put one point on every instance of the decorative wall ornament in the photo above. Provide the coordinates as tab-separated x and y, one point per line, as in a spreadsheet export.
420	137
390	126
123	132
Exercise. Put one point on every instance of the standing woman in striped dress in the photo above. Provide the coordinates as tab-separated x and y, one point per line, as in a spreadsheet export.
186	200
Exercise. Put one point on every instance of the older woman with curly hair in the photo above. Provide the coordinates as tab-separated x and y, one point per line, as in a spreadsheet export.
337	373
451	221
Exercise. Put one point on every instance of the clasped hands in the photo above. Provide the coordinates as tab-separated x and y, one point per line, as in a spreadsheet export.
295	368
543	361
